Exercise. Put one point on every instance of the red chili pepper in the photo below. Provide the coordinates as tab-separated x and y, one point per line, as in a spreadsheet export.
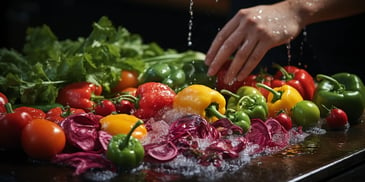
3	101
58	114
262	77
11	125
79	95
152	97
34	112
298	78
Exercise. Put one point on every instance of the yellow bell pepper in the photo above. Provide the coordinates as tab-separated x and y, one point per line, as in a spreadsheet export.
281	99
197	98
121	124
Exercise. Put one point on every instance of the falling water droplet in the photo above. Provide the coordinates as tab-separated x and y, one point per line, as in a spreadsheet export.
190	43
288	48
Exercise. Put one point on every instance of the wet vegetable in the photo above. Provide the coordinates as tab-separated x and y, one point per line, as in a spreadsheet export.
11	126
249	100
342	90
337	119
125	150
43	139
298	78
197	98
305	113
79	95
152	98
281	99
121	124
3	101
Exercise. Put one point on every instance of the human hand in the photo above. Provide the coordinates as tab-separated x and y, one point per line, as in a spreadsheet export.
250	34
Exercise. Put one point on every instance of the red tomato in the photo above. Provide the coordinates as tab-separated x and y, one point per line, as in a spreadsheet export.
43	139
337	119
285	120
11	126
130	90
128	78
105	108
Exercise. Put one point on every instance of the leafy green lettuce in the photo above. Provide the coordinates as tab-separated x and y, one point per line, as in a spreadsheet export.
35	75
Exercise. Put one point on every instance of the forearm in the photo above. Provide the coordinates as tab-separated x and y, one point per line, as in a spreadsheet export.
313	11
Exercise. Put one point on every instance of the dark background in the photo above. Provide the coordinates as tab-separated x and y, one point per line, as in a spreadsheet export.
161	21
327	47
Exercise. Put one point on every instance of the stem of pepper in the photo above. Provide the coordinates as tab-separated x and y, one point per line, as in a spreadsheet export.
212	110
338	85
276	94
126	139
229	93
286	76
9	108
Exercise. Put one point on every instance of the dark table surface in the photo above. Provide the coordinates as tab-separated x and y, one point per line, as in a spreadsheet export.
333	156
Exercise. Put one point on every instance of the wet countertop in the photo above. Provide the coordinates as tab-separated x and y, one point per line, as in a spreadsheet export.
332	156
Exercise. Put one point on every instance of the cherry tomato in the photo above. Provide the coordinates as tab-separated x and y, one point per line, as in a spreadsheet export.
285	120
34	112
11	126
105	107
128	78
126	106
3	101
43	139
337	119
130	90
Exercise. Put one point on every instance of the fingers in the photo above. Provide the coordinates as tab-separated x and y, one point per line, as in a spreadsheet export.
221	37
253	60
240	60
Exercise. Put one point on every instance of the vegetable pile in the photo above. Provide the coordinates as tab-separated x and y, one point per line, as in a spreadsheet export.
111	102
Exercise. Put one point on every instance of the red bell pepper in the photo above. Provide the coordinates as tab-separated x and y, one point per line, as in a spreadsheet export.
261	77
296	77
79	95
34	112
58	114
152	98
3	101
11	126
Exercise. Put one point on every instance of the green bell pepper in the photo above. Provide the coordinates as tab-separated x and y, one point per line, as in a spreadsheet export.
249	100
196	73
238	118
172	75
125	150
342	90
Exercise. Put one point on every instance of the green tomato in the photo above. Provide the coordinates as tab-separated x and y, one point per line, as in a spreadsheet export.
305	113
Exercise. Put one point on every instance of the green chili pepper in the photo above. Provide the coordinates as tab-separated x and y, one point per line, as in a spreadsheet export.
249	100
125	150
342	90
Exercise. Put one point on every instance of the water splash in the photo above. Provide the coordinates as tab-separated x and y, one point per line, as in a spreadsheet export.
190	25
